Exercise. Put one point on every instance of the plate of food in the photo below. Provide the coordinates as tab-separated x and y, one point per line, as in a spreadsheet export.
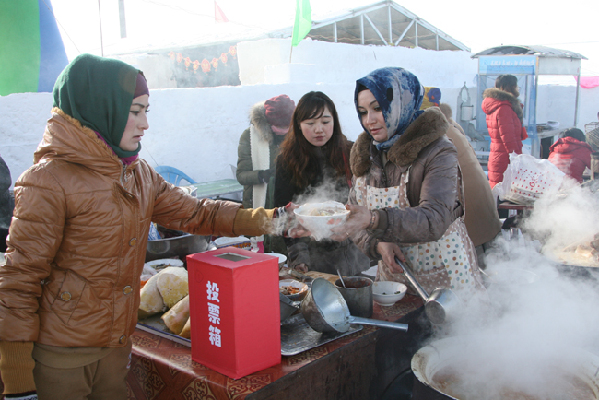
294	290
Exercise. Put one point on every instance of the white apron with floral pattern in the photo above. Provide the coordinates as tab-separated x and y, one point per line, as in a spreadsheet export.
448	262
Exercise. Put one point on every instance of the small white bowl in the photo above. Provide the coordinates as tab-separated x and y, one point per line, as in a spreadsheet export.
282	258
387	293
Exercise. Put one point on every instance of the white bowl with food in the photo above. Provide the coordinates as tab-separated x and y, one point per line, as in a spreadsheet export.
387	293
320	218
282	258
294	290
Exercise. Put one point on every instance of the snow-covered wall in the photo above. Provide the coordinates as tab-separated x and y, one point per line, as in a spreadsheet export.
269	61
194	130
198	130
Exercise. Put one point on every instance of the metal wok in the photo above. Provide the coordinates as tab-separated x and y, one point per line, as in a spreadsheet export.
325	310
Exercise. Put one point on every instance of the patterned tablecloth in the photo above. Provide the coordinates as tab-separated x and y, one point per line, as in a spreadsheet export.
162	369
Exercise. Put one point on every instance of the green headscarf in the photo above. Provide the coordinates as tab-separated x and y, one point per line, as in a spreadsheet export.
98	92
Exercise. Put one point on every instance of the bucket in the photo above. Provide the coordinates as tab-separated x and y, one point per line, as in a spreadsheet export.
357	295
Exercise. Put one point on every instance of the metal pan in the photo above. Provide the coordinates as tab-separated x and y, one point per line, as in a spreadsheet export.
325	310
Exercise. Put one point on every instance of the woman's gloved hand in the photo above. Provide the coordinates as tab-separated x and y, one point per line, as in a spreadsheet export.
265	175
285	224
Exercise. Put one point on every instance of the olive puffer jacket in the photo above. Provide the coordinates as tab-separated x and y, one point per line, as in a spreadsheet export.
504	122
432	188
246	174
80	227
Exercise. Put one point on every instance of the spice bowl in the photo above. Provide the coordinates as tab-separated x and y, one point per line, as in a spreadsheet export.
387	293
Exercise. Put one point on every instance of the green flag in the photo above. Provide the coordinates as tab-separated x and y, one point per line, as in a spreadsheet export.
303	21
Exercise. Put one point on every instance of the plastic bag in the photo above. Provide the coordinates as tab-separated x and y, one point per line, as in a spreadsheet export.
527	178
153	233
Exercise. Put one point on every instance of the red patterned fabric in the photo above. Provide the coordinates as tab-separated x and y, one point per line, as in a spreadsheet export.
163	370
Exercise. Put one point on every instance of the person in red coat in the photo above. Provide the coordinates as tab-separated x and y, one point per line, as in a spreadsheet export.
504	122
571	154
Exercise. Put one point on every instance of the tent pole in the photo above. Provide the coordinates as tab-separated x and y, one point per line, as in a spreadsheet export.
577	97
101	44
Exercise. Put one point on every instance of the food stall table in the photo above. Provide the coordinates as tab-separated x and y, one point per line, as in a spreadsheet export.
351	367
221	189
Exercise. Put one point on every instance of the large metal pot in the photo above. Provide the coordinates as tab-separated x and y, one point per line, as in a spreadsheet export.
176	246
434	380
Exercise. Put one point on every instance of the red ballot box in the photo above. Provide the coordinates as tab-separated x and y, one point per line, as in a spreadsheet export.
234	310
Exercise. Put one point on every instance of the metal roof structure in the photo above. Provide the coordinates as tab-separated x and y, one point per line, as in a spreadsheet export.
385	23
541	51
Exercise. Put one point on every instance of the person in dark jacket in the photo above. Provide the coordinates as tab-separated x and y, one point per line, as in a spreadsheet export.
407	200
6	203
504	122
314	164
70	287
257	151
571	154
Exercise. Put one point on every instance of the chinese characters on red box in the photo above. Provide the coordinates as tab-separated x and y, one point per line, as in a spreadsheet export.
213	313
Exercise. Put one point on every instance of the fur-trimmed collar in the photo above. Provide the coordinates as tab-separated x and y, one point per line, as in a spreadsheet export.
427	128
258	119
502	95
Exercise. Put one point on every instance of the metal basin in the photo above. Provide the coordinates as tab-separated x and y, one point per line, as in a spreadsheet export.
176	246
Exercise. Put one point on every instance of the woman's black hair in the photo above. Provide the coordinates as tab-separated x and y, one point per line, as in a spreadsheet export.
299	153
506	82
574	133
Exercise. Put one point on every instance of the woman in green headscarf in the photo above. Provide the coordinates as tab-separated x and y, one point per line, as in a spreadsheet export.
80	227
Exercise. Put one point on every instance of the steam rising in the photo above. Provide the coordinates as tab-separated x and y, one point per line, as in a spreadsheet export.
534	318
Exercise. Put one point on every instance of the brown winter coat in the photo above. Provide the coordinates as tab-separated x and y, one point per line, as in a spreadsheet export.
481	218
81	226
432	187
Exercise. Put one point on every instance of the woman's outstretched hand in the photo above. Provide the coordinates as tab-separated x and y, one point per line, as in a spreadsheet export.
388	252
286	224
357	221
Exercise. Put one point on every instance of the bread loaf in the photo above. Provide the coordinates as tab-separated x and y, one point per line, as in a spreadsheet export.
150	299
186	332
177	316
172	285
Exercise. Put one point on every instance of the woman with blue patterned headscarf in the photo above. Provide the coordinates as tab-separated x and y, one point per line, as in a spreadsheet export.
407	197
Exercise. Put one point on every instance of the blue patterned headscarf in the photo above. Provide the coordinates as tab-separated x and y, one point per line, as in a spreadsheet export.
399	95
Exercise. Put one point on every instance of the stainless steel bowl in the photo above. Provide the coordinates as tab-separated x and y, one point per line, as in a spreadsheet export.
176	246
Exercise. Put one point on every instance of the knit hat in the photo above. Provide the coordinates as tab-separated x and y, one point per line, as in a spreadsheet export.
279	110
141	86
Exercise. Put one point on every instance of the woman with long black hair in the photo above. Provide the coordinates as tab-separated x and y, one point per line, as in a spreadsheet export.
314	164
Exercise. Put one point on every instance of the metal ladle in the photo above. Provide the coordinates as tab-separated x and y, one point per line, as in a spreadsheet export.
325	310
441	306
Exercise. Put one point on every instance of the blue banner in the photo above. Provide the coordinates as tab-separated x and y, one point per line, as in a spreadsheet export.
508	64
